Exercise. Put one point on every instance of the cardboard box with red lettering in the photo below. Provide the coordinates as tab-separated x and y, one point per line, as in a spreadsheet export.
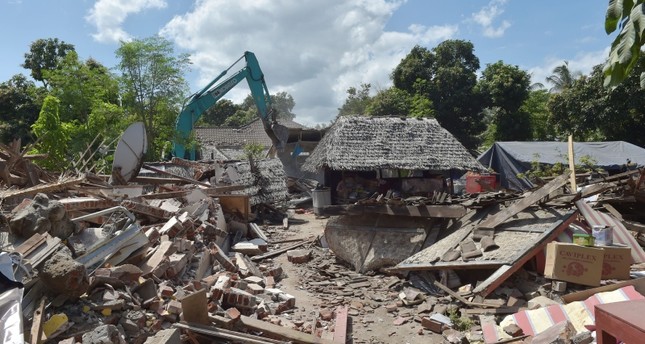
574	263
617	262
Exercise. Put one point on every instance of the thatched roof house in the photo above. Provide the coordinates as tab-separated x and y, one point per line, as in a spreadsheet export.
371	143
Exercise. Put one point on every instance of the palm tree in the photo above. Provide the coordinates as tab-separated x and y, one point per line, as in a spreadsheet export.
562	78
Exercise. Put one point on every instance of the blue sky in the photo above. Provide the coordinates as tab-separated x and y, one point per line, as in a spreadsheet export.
316	49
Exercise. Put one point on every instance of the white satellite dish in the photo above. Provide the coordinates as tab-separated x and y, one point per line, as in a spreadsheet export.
128	156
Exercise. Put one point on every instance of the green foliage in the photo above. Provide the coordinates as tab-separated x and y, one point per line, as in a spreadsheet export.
536	105
539	170
253	151
45	55
446	77
53	136
591	112
459	323
217	114
79	85
283	103
562	78
505	88
153	86
389	102
20	104
357	101
629	17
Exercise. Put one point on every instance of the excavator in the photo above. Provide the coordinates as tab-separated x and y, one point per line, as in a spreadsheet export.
208	96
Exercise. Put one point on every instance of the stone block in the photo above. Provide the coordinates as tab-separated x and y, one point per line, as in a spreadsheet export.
299	256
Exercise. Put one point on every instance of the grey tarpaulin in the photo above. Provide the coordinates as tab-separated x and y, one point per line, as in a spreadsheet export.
510	158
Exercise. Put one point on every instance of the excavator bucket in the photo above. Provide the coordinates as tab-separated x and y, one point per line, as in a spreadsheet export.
279	134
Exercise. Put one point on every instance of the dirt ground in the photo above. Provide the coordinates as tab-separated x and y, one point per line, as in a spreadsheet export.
369	320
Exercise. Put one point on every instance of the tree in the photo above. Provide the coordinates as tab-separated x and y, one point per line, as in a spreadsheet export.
283	103
80	85
153	85
505	89
536	105
52	135
20	103
356	102
417	66
396	102
592	112
458	106
447	77
629	18
217	115
562	77
45	54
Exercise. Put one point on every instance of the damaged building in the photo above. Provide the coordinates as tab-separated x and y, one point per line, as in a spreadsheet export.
212	251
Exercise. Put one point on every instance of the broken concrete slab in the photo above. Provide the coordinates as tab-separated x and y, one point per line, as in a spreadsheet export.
63	275
370	242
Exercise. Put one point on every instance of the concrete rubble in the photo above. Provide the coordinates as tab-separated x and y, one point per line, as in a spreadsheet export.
187	263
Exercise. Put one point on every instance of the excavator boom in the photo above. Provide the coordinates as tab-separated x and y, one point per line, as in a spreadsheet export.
208	96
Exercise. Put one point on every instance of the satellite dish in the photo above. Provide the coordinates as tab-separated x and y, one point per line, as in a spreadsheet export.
128	156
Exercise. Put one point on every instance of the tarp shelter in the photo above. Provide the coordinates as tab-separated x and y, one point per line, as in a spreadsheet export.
511	158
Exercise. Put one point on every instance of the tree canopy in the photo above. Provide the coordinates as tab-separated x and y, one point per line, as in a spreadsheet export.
45	55
153	86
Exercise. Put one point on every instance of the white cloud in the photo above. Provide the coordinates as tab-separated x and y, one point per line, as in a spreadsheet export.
314	50
109	15
486	17
583	62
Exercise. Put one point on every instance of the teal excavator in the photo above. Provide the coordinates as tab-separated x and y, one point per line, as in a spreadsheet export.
201	101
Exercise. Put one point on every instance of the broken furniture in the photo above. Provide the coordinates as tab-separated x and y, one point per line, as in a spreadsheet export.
620	320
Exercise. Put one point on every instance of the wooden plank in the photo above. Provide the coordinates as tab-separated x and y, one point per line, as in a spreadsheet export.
639	285
632	226
340	328
187	180
502	274
236	204
31	244
233	336
498	218
37	323
572	165
280	251
484	264
281	332
195	307
461	298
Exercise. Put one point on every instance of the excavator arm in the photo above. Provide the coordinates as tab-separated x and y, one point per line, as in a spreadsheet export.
208	96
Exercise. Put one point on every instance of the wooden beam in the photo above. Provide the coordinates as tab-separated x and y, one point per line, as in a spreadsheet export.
461	298
280	251
484	264
498	218
282	332
572	165
632	226
233	336
639	285
37	323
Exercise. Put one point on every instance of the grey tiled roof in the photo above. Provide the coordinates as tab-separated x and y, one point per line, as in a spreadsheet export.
236	137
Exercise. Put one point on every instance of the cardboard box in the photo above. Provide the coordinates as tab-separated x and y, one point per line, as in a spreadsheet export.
617	262
574	263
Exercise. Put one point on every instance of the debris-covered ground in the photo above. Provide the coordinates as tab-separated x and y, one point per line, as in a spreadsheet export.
212	252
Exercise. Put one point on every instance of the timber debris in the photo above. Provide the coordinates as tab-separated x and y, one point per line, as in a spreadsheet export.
199	252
